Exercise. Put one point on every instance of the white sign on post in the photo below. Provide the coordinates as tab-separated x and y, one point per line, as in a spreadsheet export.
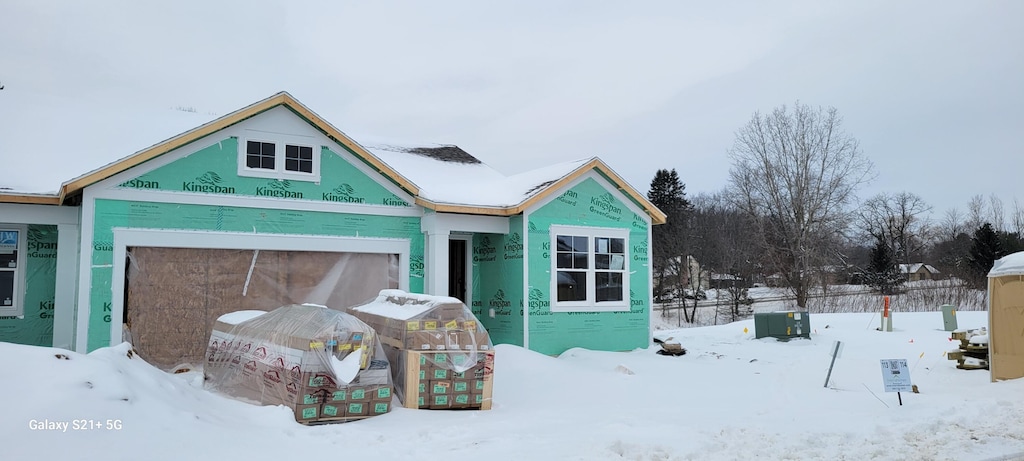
896	375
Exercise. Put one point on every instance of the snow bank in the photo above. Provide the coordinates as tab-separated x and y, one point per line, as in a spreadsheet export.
732	397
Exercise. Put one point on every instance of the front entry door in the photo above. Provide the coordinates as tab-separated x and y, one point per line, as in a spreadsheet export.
457	269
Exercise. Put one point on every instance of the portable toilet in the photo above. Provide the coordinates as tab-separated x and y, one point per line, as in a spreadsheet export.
1006	317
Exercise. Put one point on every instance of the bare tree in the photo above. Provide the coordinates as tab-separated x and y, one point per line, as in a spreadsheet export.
975	212
794	172
952	225
1017	218
726	252
899	221
996	212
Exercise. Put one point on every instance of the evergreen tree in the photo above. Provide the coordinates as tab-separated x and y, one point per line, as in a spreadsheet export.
986	248
668	193
881	273
1011	242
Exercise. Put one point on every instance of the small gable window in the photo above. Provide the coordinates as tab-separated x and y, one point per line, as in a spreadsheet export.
259	155
277	156
298	158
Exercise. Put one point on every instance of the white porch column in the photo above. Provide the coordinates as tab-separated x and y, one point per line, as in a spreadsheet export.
66	286
438	227
437	262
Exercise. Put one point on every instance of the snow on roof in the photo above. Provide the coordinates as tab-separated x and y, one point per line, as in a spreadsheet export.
46	141
1008	265
447	174
916	267
94	137
413	304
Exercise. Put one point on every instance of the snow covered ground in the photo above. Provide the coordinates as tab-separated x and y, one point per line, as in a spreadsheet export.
731	397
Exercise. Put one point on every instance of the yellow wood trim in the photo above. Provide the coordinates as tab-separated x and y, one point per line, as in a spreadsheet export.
279	99
465	209
341	138
285	99
565	180
30	199
657	216
173	143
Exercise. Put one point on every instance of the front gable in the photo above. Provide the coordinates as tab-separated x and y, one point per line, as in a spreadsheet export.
589	203
214	170
588	206
215	165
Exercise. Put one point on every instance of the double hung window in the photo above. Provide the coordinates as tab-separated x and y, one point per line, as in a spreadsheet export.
590	268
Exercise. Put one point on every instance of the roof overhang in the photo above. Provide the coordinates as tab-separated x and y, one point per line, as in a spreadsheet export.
656	215
30	199
74	186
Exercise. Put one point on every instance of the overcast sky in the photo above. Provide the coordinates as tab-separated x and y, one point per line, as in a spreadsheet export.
933	90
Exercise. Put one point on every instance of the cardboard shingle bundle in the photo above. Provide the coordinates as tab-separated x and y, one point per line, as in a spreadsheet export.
326	365
442	356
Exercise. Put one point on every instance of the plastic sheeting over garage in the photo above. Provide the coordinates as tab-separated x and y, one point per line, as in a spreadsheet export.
175	295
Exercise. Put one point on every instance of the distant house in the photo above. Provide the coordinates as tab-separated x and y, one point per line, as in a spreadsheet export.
835	274
693	269
919	271
774	280
687	273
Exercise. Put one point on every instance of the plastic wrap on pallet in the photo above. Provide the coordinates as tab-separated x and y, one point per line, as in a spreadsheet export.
439	332
325	364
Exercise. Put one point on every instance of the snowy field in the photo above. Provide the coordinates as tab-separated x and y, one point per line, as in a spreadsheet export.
731	397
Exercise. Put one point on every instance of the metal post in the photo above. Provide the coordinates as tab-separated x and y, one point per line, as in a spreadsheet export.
834	354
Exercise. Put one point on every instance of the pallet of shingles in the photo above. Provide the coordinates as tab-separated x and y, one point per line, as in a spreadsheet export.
973	351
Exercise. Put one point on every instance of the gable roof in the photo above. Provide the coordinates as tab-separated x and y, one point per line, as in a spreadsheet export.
442	178
451	180
916	267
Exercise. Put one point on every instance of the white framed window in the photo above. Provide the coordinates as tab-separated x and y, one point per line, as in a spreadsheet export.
590	269
278	156
12	270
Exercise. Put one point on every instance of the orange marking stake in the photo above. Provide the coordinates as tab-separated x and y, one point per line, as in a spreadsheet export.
886	316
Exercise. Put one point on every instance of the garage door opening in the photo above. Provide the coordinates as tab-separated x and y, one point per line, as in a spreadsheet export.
174	295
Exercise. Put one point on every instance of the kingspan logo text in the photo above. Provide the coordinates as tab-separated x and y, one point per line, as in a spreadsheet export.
208	182
329	197
604	203
344	193
279	193
192	186
389	201
141	184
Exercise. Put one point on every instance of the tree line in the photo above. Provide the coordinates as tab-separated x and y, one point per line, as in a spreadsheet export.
790	216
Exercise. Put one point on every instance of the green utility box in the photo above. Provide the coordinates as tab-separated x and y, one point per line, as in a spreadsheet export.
949	317
782	325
